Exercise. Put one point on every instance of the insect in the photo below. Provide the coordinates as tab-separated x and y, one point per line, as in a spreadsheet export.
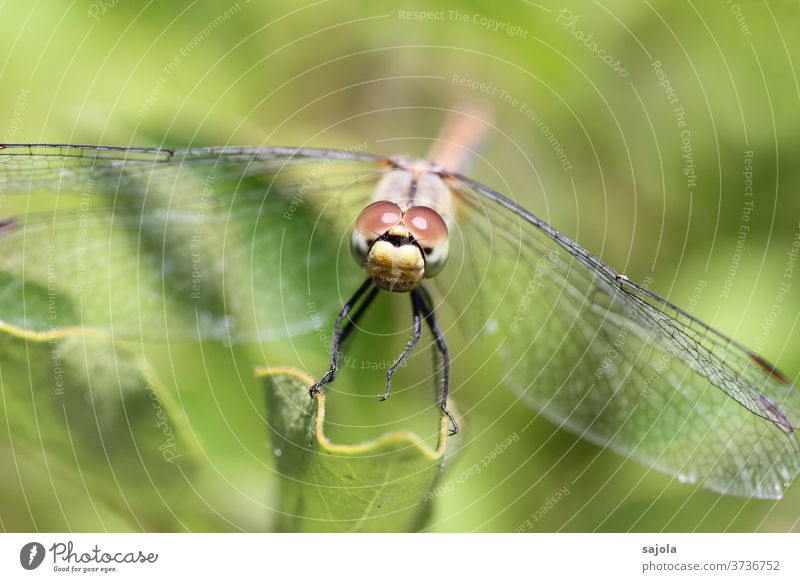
400	239
194	244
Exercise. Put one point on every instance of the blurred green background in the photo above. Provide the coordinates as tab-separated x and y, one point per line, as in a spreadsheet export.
590	78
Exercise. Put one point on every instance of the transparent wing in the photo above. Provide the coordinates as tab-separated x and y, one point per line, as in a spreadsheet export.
613	362
206	243
193	244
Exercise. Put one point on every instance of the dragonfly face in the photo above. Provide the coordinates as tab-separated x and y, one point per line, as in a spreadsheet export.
399	248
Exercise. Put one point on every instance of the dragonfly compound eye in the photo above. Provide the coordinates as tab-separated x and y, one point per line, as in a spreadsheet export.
429	230
372	223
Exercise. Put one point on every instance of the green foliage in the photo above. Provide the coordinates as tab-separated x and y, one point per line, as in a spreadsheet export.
93	415
341	74
379	485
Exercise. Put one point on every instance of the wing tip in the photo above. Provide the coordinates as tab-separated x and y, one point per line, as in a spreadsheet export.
774	414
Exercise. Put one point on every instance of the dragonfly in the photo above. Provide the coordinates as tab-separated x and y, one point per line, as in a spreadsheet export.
202	244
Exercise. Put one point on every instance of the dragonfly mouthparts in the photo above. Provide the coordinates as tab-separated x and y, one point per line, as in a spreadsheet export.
398	240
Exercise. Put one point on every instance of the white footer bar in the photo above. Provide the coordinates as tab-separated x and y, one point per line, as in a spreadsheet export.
406	557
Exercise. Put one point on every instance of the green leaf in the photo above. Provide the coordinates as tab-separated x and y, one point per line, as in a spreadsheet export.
379	485
89	413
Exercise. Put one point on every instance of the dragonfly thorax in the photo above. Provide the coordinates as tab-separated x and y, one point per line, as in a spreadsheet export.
399	248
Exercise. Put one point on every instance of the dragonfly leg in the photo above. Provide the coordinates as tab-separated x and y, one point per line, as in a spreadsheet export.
339	336
425	304
351	324
409	348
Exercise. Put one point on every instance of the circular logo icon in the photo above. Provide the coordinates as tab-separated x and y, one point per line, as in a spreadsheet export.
31	555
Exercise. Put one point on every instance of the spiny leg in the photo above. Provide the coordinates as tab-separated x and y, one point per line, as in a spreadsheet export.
353	321
409	348
436	367
329	375
348	329
425	303
437	372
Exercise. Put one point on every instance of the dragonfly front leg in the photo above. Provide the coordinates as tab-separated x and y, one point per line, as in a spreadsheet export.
339	336
425	303
351	325
409	348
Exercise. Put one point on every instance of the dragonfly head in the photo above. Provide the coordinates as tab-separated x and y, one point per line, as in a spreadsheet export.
399	248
